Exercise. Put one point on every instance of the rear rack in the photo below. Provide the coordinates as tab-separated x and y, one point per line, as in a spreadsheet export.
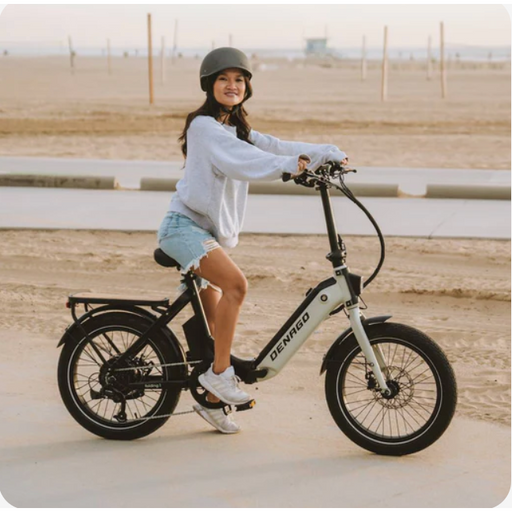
115	300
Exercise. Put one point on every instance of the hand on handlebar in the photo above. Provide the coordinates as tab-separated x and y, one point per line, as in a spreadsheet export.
301	167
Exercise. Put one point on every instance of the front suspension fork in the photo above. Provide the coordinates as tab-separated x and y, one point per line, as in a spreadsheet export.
374	357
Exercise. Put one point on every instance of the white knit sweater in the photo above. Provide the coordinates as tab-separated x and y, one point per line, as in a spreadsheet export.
219	166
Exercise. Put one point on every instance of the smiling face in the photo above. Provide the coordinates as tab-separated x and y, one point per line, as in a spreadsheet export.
229	87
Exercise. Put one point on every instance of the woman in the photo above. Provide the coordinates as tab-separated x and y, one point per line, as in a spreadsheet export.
222	155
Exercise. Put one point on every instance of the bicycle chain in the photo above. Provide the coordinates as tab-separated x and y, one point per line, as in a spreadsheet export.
161	416
155	366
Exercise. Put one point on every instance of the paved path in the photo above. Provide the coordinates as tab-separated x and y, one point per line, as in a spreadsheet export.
45	208
297	459
129	172
135	210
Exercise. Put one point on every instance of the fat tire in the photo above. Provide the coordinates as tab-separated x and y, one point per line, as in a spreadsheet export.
160	343
432	355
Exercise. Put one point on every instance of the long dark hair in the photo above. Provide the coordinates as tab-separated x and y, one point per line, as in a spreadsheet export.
211	107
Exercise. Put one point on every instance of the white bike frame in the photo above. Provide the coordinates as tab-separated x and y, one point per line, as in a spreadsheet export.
324	299
329	295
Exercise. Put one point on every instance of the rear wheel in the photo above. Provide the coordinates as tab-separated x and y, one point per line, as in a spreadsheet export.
104	401
422	384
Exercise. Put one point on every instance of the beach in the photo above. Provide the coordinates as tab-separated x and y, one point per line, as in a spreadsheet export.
47	111
456	290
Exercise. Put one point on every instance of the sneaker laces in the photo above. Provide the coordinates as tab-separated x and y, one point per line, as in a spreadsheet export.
236	379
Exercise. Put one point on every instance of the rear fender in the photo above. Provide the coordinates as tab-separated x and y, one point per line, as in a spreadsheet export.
74	332
345	334
75	326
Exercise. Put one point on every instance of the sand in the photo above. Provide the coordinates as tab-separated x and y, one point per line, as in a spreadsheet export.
458	291
47	111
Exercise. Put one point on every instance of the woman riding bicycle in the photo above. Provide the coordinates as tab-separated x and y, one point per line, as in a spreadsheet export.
222	155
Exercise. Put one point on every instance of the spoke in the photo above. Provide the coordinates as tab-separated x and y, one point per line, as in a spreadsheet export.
82	386
362	411
86	377
91	357
357	379
130	409
106	407
368	413
111	344
416	412
383	416
401	410
361	390
137	409
424	408
352	410
409	361
151	398
373	421
97	405
372	399
147	406
397	423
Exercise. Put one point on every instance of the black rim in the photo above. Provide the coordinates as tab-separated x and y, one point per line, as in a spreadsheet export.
100	394
415	400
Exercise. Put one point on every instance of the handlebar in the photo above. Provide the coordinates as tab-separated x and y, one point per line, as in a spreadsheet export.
326	171
322	176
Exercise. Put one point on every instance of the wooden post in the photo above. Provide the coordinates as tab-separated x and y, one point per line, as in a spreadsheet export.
429	58
175	41
443	65
363	61
384	86
162	62
71	55
108	58
150	61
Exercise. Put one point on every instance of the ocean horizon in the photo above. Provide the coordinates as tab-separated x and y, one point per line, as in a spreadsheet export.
456	52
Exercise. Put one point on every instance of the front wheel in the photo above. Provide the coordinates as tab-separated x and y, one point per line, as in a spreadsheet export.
422	384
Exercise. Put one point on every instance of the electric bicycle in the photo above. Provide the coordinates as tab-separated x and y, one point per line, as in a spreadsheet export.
389	387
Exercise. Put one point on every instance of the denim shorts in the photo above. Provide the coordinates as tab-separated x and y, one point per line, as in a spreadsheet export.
186	242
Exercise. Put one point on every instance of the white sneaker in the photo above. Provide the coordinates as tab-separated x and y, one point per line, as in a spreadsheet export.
218	418
224	386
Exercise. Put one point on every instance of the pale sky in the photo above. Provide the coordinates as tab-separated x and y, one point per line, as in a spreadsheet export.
255	26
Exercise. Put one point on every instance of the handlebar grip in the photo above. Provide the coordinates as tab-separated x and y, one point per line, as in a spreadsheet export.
286	176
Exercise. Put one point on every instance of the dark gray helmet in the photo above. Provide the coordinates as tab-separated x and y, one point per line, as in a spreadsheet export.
223	58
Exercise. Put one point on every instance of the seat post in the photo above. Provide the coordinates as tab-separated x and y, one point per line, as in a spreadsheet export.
197	305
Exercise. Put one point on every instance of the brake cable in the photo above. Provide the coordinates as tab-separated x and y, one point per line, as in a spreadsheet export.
315	178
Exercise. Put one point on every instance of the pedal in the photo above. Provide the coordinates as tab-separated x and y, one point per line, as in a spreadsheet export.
248	405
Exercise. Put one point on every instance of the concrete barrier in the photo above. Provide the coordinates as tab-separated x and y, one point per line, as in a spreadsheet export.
56	181
280	188
159	184
483	191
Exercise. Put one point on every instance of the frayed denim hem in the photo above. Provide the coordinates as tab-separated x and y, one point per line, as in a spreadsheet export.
208	246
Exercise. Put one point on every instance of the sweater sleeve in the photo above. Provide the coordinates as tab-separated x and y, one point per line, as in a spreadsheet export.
318	153
235	158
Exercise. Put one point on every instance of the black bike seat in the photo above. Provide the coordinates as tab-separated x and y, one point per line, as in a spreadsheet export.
165	261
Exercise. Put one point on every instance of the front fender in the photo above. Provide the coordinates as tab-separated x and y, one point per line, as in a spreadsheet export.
345	334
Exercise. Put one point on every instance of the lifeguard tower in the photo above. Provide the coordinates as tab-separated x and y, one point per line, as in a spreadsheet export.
316	46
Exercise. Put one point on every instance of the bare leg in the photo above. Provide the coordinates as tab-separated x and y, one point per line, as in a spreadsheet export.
219	269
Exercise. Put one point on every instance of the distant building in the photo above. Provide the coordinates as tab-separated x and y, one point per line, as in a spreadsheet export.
317	46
